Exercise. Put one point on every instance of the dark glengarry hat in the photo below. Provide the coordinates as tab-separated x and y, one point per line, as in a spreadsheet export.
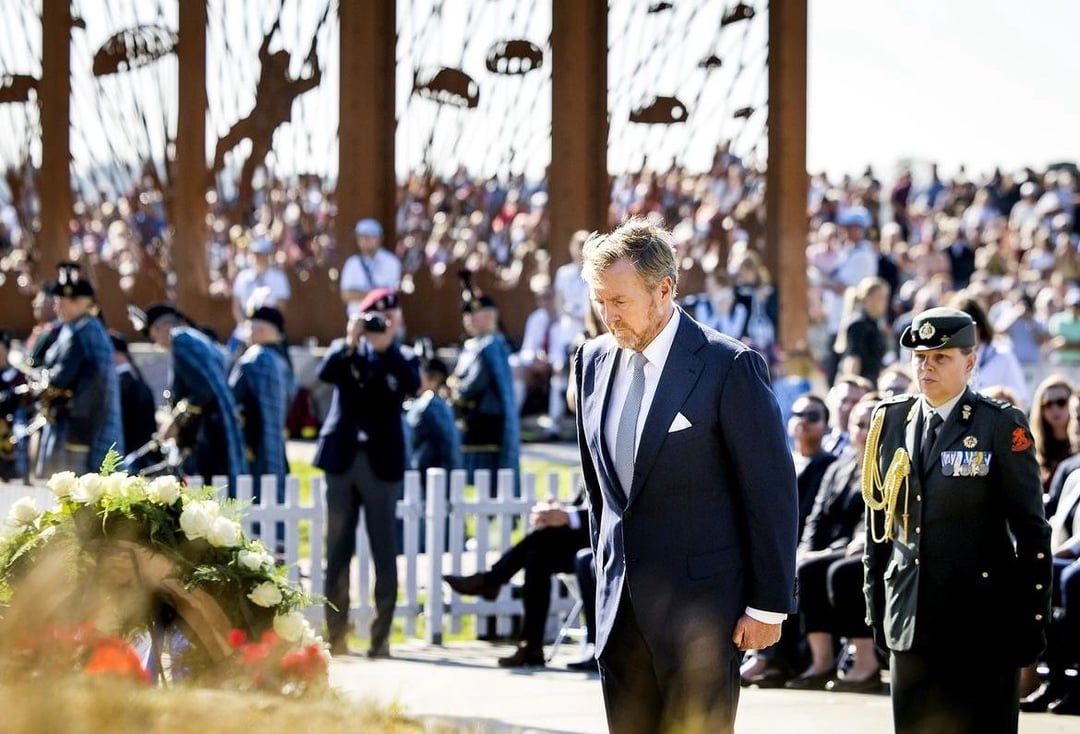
119	343
143	320
270	315
69	282
478	302
939	328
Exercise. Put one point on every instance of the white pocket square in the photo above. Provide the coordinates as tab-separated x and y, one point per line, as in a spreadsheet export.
679	424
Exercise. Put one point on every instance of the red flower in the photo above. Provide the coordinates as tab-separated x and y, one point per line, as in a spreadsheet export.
237	638
113	656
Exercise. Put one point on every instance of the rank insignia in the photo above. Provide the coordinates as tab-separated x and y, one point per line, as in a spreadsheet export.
1020	440
927	331
970	442
965	413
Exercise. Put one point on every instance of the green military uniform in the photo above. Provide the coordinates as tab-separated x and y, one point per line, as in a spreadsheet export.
957	561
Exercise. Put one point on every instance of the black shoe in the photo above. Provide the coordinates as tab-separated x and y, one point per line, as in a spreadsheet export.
1046	694
870	684
379	652
1067	705
771	678
811	682
475	585
585	665
523	657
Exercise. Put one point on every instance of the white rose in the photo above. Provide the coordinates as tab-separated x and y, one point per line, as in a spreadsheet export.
87	489
62	483
112	486
290	627
133	488
266	594
163	491
254	560
24	512
224	533
197	518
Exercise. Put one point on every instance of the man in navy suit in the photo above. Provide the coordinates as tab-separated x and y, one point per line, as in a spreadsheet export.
362	450
691	489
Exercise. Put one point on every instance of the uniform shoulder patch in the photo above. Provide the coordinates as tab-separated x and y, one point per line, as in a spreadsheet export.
1020	440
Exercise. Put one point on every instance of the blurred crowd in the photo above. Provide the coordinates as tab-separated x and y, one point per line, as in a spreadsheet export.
1006	240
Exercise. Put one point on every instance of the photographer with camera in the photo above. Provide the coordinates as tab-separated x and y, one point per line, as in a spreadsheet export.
362	450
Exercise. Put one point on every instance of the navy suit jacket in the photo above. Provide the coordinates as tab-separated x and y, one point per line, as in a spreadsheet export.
709	526
368	396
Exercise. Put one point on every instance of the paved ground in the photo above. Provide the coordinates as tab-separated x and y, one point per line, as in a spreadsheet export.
461	685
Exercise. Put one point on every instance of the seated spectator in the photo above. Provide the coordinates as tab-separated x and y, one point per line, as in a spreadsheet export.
841	398
540	366
894	380
1050	419
832	607
558	533
1060	693
861	343
434	441
259	283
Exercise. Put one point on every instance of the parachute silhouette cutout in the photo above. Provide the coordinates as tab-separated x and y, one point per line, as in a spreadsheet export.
133	48
660	110
17	87
446	86
516	56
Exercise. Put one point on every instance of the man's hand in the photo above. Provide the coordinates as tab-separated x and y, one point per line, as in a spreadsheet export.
750	634
549	514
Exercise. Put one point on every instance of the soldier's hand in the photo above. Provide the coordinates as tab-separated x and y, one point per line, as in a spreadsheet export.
750	634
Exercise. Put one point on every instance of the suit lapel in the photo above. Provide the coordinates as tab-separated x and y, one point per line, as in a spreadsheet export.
597	414
681	372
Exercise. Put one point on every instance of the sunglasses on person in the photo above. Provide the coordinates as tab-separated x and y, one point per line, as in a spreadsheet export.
1056	402
812	416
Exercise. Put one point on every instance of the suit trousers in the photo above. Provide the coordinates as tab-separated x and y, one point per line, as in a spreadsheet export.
941	692
542	553
346	494
645	695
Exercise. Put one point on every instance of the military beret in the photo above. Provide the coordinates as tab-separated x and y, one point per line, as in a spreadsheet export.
379	299
69	282
939	328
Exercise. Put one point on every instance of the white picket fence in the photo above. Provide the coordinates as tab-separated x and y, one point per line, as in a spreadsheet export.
444	508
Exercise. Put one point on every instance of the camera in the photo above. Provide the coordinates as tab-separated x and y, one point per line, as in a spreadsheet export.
374	322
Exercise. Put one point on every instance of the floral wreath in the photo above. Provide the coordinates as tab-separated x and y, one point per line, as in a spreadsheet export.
156	560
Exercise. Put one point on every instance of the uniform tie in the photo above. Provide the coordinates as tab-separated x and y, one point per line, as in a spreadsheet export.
931	435
627	432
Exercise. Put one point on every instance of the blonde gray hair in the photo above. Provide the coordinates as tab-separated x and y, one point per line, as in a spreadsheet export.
646	245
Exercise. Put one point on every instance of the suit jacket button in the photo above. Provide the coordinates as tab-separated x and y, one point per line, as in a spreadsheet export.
1038	587
1038	617
1040	556
916	561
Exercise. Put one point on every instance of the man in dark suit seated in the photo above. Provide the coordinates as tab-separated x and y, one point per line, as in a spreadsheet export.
558	533
362	450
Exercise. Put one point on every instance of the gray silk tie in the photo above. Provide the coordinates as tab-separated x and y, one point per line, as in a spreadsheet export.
928	440
627	431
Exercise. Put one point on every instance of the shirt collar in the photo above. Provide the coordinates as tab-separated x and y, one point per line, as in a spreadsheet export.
657	352
944	410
